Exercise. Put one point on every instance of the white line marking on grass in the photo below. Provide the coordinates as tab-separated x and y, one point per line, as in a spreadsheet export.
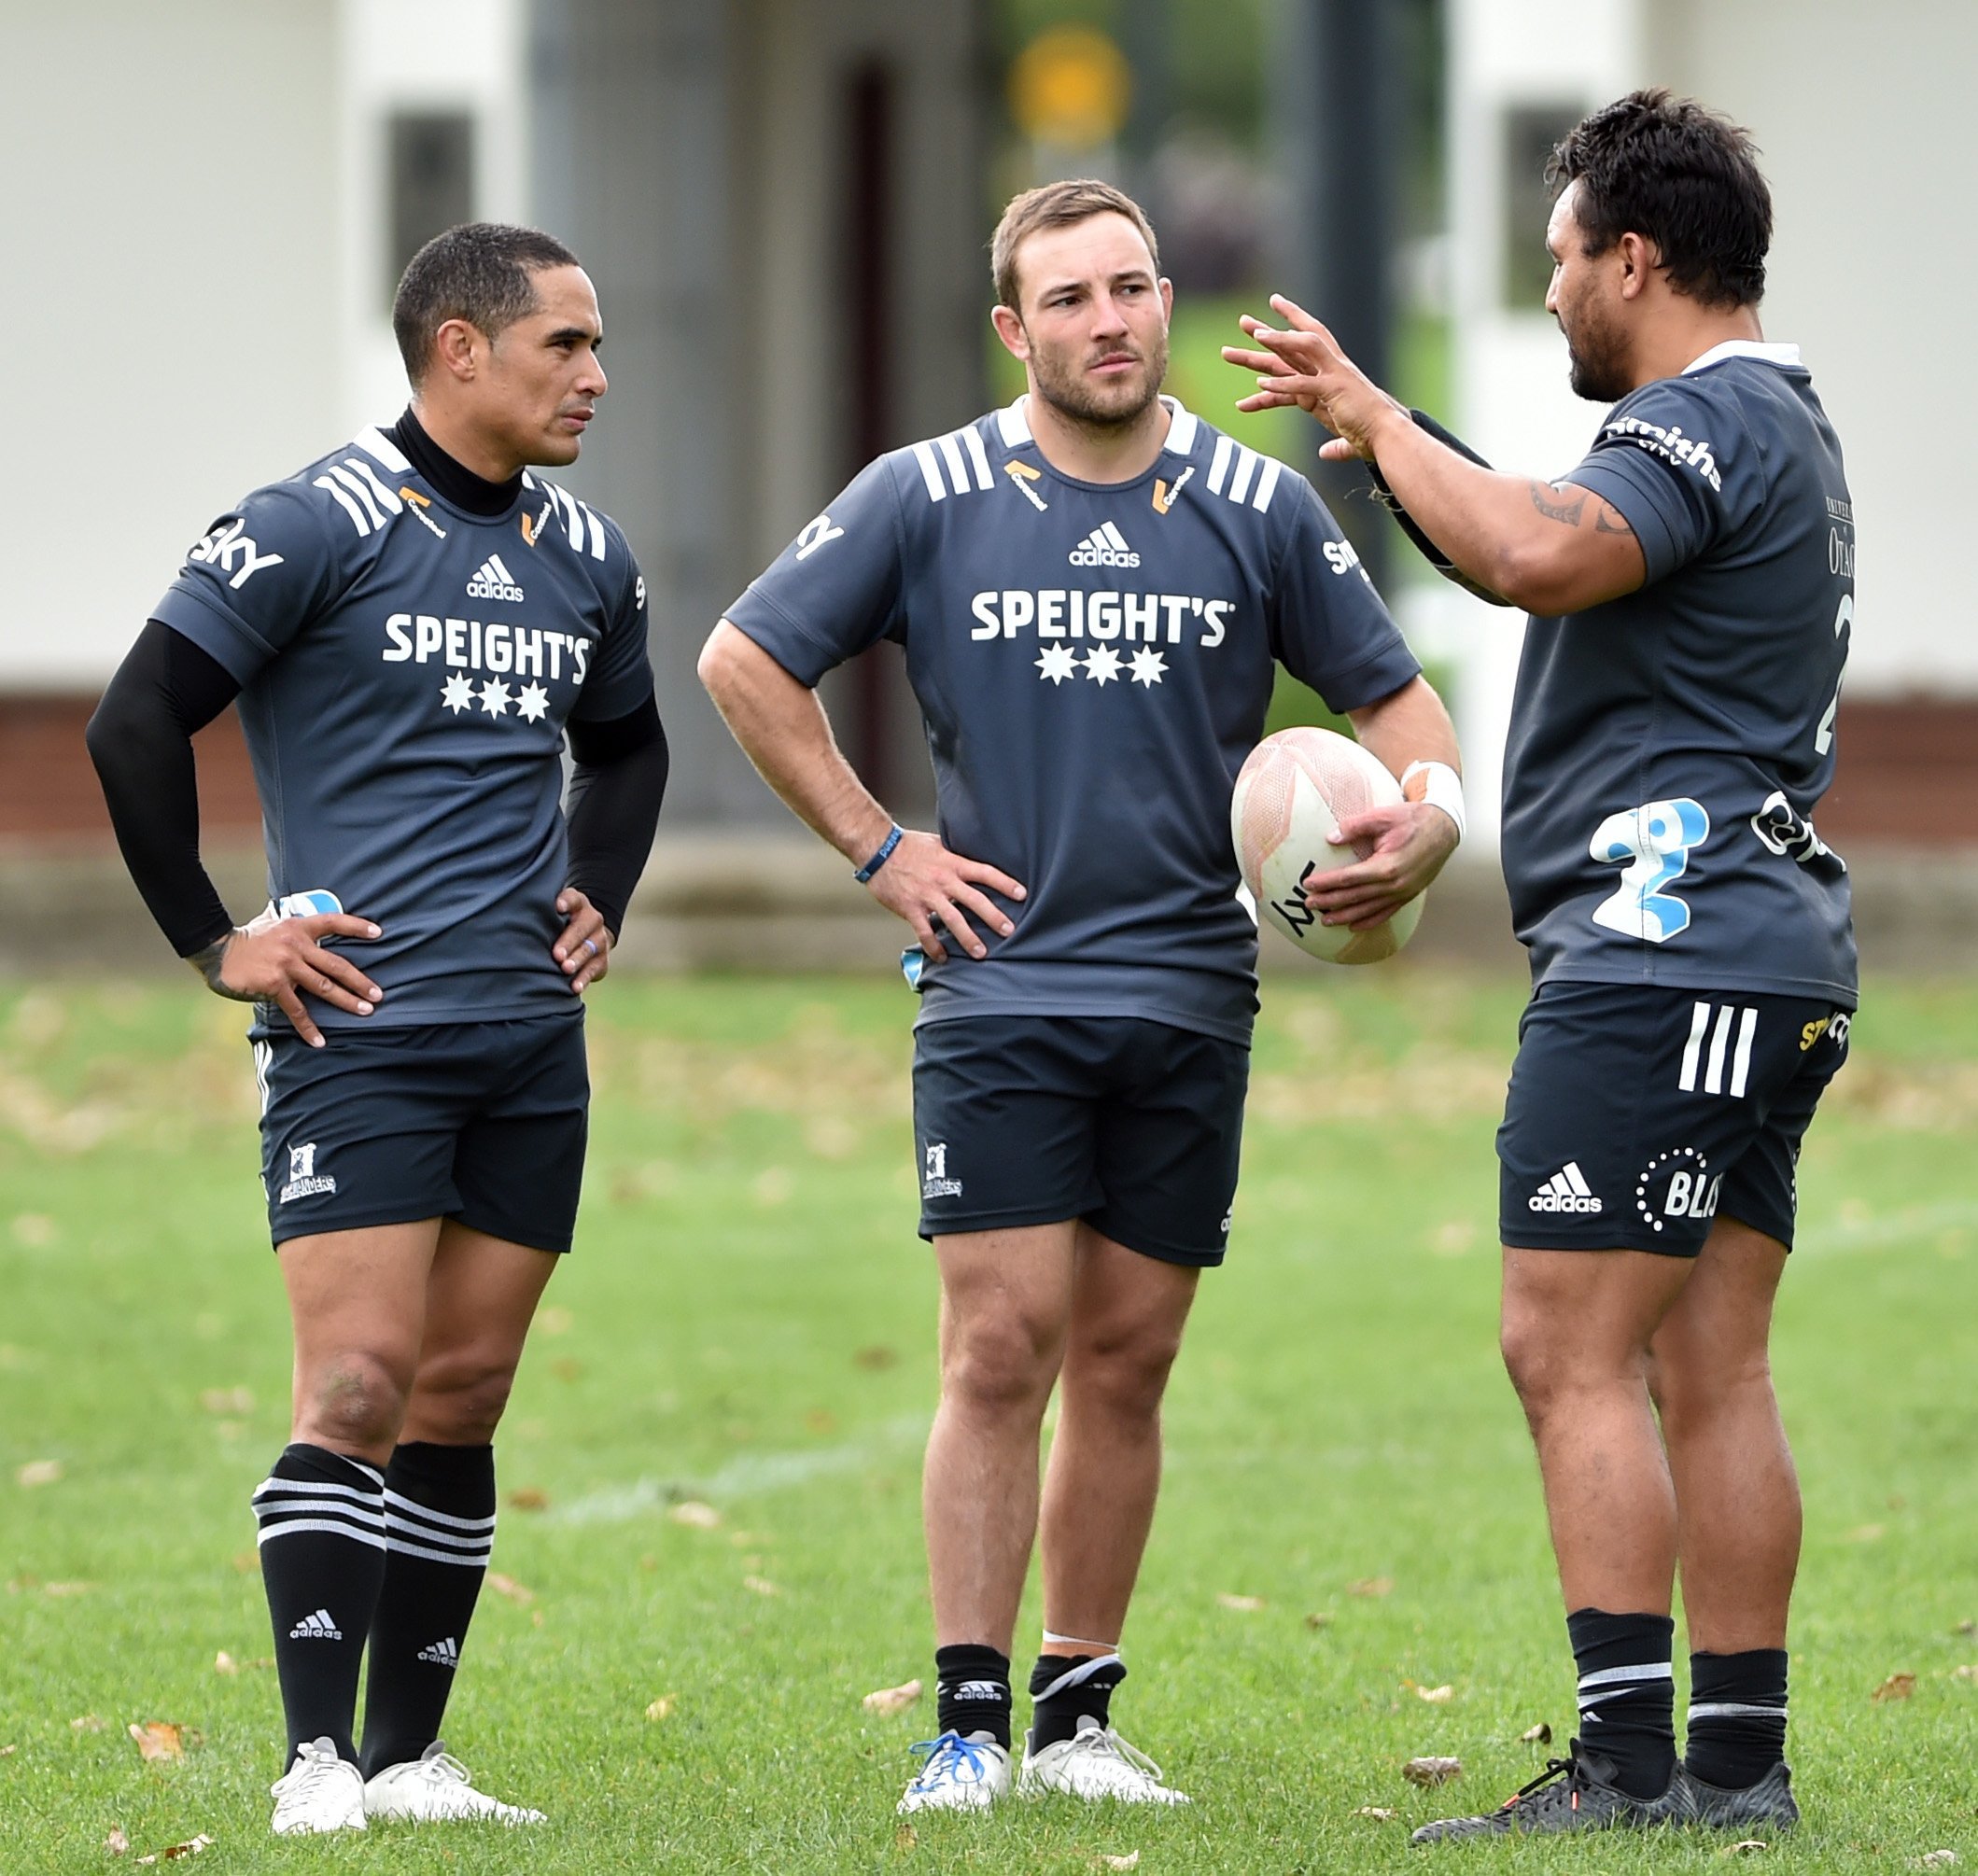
746	1477
1879	1234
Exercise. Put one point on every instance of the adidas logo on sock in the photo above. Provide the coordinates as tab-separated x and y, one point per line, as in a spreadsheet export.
321	1626
1105	546
444	1654
981	1690
1567	1191
494	582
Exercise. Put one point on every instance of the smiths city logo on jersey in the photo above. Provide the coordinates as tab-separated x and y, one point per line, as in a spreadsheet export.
305	1181
1105	546
493	580
1670	444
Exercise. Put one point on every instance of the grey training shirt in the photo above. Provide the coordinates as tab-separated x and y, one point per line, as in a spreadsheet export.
1094	663
406	670
1667	749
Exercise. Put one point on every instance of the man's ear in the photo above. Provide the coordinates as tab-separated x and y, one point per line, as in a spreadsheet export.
1640	260
1009	329
453	348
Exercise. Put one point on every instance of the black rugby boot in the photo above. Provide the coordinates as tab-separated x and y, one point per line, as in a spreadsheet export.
1570	1794
1768	1801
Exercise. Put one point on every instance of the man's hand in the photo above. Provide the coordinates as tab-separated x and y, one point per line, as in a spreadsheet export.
1410	842
923	883
584	950
273	959
1305	367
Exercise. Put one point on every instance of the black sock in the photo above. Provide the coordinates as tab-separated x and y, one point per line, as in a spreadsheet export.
322	1544
1072	1691
971	1691
1737	1716
439	1532
1627	1695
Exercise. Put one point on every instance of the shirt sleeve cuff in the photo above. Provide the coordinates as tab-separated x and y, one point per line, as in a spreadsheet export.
1636	504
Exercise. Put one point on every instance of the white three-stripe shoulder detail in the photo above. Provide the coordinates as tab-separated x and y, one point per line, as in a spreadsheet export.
379	448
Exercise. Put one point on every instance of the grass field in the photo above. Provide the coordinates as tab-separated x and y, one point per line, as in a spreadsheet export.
747	1322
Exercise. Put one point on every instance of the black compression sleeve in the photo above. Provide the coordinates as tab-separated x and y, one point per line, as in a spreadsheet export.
1429	551
617	781
141	741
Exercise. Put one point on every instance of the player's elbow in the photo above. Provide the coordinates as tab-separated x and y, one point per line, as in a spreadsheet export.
1536	576
721	662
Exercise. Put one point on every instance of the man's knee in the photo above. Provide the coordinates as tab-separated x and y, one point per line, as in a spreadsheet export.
1001	1365
1693	1378
1121	1366
356	1398
461	1395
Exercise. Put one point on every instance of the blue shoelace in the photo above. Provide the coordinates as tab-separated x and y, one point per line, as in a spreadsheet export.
950	1745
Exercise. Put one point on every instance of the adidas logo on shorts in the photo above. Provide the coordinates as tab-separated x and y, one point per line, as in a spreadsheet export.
321	1626
1567	1191
1105	546
493	580
444	1654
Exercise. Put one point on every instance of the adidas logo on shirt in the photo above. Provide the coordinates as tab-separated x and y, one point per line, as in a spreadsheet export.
1105	546
321	1626
444	1654
1567	1191
494	582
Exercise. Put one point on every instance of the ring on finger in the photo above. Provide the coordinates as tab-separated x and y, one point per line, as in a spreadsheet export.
591	946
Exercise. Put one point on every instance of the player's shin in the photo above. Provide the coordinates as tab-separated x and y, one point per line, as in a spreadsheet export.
322	1554
440	1532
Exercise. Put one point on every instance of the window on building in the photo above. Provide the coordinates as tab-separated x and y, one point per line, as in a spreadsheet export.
1530	132
429	182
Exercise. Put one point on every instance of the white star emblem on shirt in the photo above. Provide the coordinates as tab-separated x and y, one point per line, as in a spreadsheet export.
457	693
1057	663
1148	664
533	704
1101	664
494	697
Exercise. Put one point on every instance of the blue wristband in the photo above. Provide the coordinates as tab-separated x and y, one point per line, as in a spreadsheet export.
880	858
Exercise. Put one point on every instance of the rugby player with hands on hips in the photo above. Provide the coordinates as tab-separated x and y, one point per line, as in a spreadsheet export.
1093	589
1691	593
412	625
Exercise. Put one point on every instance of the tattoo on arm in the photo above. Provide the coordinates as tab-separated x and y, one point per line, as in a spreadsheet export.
1608	519
207	961
1560	510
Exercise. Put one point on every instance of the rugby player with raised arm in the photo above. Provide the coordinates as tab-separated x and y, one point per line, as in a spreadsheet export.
1691	593
1094	589
414	627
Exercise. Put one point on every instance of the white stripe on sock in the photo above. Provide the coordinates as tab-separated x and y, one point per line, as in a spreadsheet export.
1645	1671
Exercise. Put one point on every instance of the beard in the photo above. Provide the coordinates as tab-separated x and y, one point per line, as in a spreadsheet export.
1064	385
1596	358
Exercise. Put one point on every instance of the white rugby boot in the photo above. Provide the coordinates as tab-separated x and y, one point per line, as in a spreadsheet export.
1096	1764
319	1792
434	1788
959	1774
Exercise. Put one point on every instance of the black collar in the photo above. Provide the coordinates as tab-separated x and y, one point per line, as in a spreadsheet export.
459	483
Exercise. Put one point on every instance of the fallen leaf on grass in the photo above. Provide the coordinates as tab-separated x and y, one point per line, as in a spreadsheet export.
1371	1585
1540	1734
567	1368
157	1739
66	1588
1434	1696
822	1419
695	1514
1896	1687
877	1357
9	1751
905	1837
554	1320
116	1843
1129	1861
1748	1846
35	1229
195	1846
760	1585
1865	1534
86	1723
528	1498
1432	1771
248	1562
1969	1671
38	1472
663	1707
893	1700
226	1400
507	1586
1967	1629
224	1663
1378	1812
1937	1859
1318	1619
1246	1605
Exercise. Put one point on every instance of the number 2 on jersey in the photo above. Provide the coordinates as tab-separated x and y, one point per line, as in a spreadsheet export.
1652	845
1823	736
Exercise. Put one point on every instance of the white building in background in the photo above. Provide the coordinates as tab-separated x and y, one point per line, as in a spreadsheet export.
1861	114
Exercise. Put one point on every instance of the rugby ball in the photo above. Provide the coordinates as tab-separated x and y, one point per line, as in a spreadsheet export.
1293	791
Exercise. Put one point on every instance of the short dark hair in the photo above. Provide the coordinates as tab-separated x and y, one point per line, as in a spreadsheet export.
1058	204
479	271
1682	176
